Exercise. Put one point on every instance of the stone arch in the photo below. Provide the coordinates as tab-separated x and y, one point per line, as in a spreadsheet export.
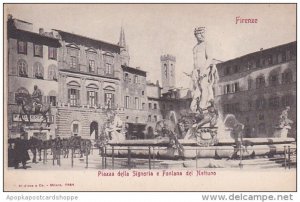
75	127
38	70
22	90
72	45
273	77
92	85
260	81
73	84
94	129
108	53
287	76
22	67
109	88
91	50
150	132
52	72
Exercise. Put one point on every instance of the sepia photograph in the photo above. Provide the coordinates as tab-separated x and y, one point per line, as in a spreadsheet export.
150	97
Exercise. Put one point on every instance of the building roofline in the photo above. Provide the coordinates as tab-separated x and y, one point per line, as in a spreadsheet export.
154	98
23	21
93	39
259	52
132	68
153	84
36	34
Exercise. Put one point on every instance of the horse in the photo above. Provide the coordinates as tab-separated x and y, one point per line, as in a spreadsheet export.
27	105
35	147
82	145
74	143
85	146
65	147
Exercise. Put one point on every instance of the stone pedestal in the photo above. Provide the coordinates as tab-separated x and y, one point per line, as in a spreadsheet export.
281	132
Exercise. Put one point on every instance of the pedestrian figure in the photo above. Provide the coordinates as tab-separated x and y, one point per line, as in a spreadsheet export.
21	153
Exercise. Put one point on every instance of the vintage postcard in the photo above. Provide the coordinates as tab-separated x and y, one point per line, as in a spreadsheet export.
150	97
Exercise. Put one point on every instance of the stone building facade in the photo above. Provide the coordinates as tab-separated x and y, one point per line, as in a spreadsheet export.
81	78
134	99
32	60
89	84
257	87
153	107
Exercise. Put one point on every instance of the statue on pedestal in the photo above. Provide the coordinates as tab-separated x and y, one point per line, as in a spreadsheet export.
204	74
284	124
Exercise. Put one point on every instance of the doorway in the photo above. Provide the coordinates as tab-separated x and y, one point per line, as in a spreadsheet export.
94	130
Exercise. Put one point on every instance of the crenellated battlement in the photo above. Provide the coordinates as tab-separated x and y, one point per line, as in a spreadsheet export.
168	57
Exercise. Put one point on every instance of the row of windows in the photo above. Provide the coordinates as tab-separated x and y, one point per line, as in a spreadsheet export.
74	97
136	119
150	106
261	104
268	60
231	88
37	50
152	118
45	99
73	53
51	98
38	70
260	82
127	101
92	98
274	102
286	77
128	79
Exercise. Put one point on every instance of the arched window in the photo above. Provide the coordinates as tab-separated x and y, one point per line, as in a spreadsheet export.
260	81
287	76
51	98
73	93
52	75
126	77
273	79
92	94
73	52
21	92
75	128
22	68
109	63
109	96
38	70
